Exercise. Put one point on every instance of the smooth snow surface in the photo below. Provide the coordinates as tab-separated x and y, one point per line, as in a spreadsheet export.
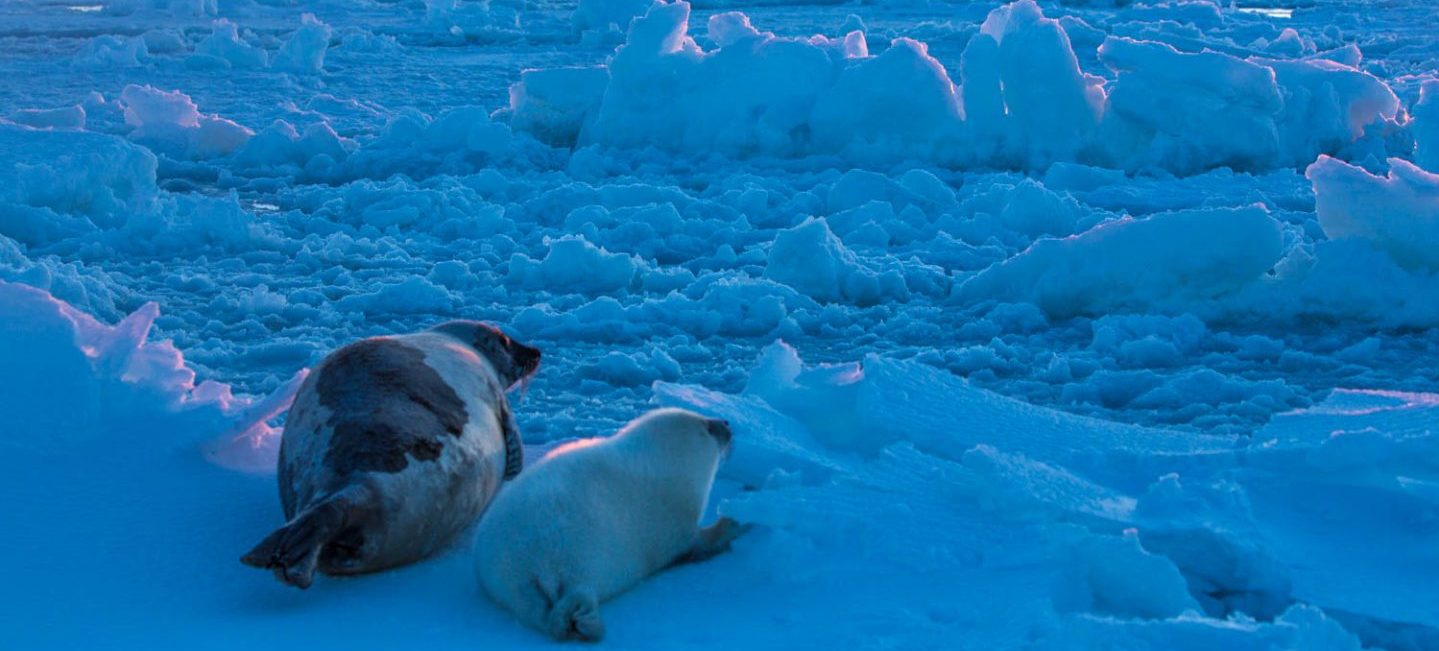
1082	324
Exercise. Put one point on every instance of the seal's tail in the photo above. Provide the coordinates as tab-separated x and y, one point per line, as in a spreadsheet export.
576	616
293	550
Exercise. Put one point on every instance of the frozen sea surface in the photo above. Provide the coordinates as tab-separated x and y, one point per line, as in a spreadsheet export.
1058	325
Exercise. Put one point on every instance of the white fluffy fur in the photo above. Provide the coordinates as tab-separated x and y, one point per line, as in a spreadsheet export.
595	517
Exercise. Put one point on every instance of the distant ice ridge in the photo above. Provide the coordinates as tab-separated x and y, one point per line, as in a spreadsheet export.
1023	524
168	122
1021	100
75	380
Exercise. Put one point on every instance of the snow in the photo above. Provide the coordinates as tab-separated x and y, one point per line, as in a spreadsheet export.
1053	325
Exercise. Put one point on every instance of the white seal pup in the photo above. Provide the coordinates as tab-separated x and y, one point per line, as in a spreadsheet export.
392	447
594	517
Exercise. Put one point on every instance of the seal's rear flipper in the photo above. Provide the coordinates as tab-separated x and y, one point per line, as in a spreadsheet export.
576	616
293	550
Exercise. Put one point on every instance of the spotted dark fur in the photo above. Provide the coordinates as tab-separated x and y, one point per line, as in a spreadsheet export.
512	361
387	406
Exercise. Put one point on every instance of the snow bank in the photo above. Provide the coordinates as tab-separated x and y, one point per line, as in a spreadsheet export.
1398	214
1126	533
1023	102
86	381
1168	259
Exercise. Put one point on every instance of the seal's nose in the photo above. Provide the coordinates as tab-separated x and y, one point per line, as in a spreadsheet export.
527	358
720	430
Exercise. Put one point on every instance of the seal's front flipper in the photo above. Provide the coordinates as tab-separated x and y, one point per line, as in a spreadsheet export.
576	616
293	550
713	541
514	447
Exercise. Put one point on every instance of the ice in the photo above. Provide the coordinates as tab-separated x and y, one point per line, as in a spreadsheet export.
69	117
87	379
88	180
413	296
228	48
1049	104
607	15
280	145
304	51
553	104
812	260
1169	258
1397	213
1024	104
1188	112
466	20
1327	105
1426	127
1051	325
169	121
575	264
106	51
1197	529
859	117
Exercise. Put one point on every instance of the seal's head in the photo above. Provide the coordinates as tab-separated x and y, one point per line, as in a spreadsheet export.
512	360
683	429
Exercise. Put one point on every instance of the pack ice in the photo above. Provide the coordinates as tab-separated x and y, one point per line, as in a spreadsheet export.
1040	325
